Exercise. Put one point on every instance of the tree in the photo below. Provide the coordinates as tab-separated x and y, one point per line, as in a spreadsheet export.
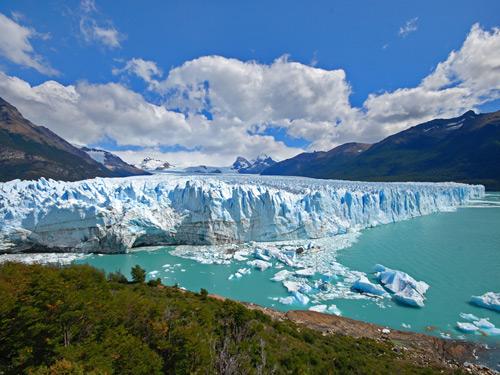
138	274
203	293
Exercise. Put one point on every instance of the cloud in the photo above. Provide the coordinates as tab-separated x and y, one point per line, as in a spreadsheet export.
215	108
409	27
148	71
16	47
95	32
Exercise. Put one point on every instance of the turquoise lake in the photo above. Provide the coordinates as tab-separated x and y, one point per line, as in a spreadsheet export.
456	253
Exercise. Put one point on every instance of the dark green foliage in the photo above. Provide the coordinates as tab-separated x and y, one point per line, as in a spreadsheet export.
203	293
138	274
154	282
73	320
117	277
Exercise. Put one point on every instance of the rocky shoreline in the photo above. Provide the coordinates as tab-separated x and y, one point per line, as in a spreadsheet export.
421	349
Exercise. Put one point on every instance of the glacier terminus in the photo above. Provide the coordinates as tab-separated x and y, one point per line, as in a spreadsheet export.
114	215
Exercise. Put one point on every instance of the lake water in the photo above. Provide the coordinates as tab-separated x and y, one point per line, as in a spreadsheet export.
456	253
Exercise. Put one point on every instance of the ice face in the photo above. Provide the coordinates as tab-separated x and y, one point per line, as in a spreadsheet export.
114	215
488	300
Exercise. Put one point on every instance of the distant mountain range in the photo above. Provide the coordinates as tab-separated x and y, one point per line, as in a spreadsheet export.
255	166
461	149
28	151
150	164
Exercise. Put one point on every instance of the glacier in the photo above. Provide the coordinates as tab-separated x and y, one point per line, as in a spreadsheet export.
114	215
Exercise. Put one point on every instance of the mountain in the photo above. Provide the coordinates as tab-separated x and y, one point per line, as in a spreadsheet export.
114	163
256	166
241	163
461	149
150	164
28	151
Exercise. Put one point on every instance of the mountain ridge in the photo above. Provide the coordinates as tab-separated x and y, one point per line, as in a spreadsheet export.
462	149
29	151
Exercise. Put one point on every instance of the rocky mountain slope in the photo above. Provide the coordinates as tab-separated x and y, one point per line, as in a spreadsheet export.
254	166
461	149
113	163
28	151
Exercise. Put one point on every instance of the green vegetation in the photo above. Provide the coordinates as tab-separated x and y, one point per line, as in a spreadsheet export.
74	320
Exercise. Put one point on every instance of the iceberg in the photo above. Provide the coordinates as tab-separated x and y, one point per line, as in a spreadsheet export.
405	288
281	275
286	300
307	272
318	308
261	265
114	215
484	323
301	298
488	300
363	285
333	309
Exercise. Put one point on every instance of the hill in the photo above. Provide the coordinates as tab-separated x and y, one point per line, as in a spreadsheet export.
462	149
73	320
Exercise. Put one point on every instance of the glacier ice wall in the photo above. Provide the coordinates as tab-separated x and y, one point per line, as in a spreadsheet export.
115	215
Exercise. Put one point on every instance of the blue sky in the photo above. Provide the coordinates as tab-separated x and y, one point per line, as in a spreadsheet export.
375	47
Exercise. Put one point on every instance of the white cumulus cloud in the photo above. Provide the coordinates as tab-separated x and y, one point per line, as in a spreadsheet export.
15	45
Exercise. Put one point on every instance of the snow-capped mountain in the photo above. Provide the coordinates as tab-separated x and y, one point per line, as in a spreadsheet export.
255	166
113	162
150	164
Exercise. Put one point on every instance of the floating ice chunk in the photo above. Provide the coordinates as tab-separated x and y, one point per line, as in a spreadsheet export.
466	327
286	300
259	264
492	331
469	317
295	286
239	258
301	298
366	286
245	271
307	272
484	323
318	308
396	281
409	296
488	300
230	277
333	309
260	254
406	325
405	288
281	275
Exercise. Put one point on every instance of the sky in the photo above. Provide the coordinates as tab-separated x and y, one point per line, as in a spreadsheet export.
201	82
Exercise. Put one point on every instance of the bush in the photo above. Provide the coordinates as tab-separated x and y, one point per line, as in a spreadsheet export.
117	277
154	282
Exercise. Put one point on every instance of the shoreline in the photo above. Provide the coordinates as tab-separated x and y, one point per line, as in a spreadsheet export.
422	349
